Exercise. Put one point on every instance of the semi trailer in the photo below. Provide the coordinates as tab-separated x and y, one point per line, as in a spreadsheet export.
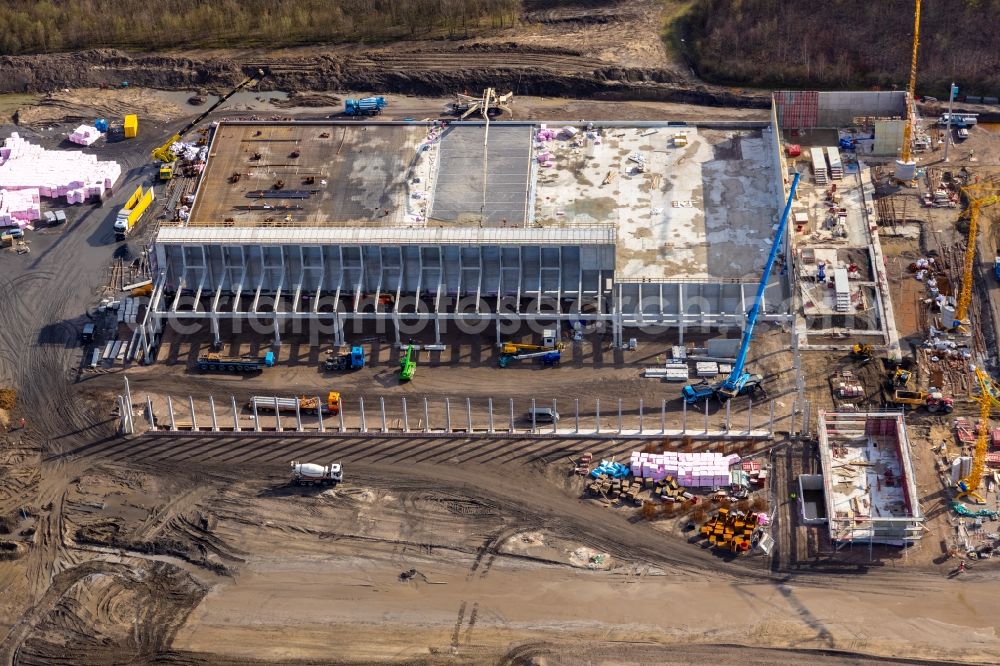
213	362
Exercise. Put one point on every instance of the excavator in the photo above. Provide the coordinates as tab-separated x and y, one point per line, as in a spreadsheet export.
988	399
164	153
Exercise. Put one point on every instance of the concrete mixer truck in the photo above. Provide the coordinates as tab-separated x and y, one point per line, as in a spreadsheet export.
304	474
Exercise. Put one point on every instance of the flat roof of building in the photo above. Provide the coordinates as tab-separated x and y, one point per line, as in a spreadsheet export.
307	175
678	201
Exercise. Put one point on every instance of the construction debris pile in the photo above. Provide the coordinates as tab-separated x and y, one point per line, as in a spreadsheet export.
28	172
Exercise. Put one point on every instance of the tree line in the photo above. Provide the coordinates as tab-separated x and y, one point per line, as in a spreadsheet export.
844	43
45	26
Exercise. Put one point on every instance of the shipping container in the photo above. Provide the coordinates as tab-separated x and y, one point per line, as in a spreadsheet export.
131	126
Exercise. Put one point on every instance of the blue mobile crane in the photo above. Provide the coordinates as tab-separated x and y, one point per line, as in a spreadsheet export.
740	382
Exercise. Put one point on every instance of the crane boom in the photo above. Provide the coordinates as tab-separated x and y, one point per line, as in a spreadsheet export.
965	295
988	399
164	154
731	386
912	88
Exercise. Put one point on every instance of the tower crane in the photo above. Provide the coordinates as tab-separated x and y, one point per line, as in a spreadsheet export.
912	87
740	382
979	196
989	398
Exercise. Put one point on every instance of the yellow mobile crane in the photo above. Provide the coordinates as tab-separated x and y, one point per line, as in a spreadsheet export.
988	399
912	88
979	195
166	155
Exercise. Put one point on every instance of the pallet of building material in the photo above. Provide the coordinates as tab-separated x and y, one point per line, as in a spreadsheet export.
675	372
654	373
706	368
964	431
678	352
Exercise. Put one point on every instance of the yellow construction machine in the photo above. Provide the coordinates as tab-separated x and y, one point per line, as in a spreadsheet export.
979	196
988	399
166	155
864	351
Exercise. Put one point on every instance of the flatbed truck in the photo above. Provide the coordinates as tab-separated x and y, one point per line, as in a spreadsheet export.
213	362
304	404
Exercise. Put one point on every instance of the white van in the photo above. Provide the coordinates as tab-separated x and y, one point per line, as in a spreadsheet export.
542	415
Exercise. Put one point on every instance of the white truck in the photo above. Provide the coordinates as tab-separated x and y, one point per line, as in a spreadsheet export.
311	473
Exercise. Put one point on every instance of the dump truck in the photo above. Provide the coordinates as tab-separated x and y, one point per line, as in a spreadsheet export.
367	106
132	211
934	402
311	473
213	362
304	404
352	360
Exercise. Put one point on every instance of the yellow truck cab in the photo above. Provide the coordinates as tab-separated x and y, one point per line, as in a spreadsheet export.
333	402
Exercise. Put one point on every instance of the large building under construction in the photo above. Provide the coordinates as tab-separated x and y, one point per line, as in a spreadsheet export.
629	224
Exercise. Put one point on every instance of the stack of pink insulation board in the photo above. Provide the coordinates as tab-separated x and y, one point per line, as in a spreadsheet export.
694	470
19	207
54	173
85	135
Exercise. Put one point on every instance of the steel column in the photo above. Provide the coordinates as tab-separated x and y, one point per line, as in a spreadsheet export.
236	415
194	419
211	405
149	412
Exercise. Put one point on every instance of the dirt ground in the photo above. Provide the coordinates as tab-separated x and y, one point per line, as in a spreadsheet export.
195	549
561	52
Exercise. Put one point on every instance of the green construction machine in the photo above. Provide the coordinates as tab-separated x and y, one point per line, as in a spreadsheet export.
407	366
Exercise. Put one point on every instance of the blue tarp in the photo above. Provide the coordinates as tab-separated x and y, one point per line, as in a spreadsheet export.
613	469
